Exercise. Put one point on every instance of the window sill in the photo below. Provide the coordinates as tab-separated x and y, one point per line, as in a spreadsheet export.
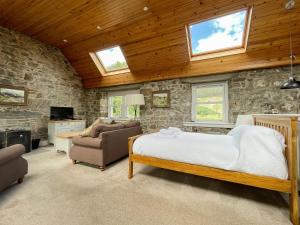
107	119
209	124
116	72
218	54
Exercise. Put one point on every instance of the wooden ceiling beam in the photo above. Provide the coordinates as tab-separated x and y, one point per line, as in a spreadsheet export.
256	59
154	42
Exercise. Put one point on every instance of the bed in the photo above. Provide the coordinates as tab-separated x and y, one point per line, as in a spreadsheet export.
227	169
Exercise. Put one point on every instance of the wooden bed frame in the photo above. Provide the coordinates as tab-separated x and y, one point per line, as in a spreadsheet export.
285	125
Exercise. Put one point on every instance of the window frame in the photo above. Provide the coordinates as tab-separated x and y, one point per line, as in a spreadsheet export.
225	102
225	51
99	64
124	108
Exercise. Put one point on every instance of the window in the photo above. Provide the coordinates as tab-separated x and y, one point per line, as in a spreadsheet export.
110	61
224	33
116	107
210	102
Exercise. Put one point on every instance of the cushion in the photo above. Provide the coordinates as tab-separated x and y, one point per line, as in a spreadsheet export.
131	123
87	131
242	131
87	142
99	128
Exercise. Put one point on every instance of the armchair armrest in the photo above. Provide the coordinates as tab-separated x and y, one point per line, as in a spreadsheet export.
11	152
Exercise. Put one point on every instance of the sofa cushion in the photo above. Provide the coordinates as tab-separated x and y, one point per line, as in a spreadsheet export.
99	128
131	123
87	131
87	142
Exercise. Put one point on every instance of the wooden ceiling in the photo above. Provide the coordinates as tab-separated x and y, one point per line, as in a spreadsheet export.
154	42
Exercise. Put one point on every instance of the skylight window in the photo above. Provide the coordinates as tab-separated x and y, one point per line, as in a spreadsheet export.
219	34
112	59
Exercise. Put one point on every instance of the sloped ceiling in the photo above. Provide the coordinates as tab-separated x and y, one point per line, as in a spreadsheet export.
154	41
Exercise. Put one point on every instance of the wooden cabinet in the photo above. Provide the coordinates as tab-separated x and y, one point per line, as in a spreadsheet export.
56	127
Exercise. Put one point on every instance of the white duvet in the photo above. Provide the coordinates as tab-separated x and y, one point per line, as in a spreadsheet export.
251	149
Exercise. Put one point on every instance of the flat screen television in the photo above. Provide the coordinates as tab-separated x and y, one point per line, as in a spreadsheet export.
61	113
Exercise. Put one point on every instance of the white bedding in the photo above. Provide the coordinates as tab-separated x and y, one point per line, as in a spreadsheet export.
245	149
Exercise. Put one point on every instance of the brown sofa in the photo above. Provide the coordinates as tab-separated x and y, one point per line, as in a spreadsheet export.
107	144
13	167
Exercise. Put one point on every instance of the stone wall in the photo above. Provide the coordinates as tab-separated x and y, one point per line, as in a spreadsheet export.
45	72
179	111
258	91
253	91
96	104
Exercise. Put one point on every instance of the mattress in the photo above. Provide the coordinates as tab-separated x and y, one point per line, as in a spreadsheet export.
218	151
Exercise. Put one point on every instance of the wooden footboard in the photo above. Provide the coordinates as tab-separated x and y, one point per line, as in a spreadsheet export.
287	126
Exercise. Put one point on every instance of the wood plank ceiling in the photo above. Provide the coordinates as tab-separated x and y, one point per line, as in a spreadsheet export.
154	42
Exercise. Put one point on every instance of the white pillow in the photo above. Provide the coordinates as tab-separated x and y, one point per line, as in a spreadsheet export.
237	133
262	152
240	131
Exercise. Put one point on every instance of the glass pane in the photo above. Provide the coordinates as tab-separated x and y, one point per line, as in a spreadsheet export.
219	33
210	94
112	59
130	112
116	106
209	112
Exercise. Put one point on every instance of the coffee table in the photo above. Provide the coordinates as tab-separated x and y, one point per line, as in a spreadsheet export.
63	141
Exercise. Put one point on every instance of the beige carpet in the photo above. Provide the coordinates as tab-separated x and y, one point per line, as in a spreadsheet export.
58	193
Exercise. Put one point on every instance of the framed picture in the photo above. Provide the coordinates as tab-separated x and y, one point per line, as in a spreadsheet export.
161	99
10	95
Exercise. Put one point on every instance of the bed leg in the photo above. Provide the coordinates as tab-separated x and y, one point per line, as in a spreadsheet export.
130	169
294	210
130	154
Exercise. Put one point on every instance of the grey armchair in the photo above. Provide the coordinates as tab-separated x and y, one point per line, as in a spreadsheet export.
13	167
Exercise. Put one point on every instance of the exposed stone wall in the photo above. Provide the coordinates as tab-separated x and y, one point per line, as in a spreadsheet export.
258	91
96	105
151	118
180	105
51	81
45	72
253	91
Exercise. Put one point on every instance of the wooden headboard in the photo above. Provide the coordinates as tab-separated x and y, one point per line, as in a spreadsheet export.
288	127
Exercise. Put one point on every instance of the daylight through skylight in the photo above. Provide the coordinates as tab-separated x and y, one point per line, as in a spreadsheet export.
218	34
112	59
